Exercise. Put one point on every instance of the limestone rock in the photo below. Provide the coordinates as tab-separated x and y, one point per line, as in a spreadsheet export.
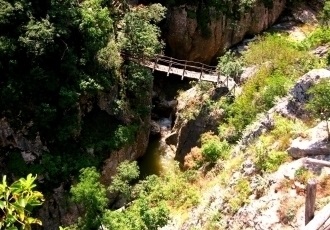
155	129
321	51
248	168
304	14
171	139
186	41
248	72
188	129
130	152
30	149
299	91
57	210
291	106
315	144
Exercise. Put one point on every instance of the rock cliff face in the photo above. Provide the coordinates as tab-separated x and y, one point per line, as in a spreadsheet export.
185	40
193	118
58	209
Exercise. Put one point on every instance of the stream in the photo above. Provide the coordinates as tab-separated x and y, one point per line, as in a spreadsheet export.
159	157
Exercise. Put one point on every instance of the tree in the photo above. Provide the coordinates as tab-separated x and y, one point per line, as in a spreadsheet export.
16	203
140	36
92	195
230	65
126	172
319	103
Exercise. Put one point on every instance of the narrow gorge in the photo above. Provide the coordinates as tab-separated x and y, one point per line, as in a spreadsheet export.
115	145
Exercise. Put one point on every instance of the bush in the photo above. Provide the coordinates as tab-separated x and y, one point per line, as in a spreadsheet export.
214	149
303	175
270	161
319	104
230	65
239	195
126	172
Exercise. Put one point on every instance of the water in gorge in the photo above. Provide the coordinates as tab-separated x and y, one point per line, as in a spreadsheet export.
159	157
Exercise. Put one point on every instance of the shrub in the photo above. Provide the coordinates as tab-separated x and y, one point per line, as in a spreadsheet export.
270	161
240	195
319	104
285	130
318	37
303	175
230	65
92	195
126	172
214	149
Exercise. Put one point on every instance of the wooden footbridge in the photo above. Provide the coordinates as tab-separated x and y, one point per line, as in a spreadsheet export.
184	68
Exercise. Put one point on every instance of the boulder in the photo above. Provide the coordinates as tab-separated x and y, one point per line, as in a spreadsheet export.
30	148
316	143
155	128
299	91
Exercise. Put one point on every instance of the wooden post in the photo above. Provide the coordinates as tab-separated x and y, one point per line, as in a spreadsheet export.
218	80
200	76
310	200
227	82
184	69
321	217
169	68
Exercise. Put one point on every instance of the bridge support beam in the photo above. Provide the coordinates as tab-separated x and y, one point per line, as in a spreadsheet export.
169	67
184	69
201	75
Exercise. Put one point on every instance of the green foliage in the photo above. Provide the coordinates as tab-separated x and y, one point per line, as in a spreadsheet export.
270	161
141	215
214	149
302	175
38	35
318	37
265	50
17	202
56	57
277	71
95	24
145	212
230	65
239	195
284	131
140	35
319	104
92	195
126	172
173	188
325	16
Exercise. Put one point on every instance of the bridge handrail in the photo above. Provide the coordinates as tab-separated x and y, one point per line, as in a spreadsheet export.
183	61
173	61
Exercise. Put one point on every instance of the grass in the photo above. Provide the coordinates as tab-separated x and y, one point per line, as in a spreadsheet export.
269	150
278	69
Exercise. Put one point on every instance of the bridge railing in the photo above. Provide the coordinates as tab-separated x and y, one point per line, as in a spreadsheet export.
173	62
184	65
